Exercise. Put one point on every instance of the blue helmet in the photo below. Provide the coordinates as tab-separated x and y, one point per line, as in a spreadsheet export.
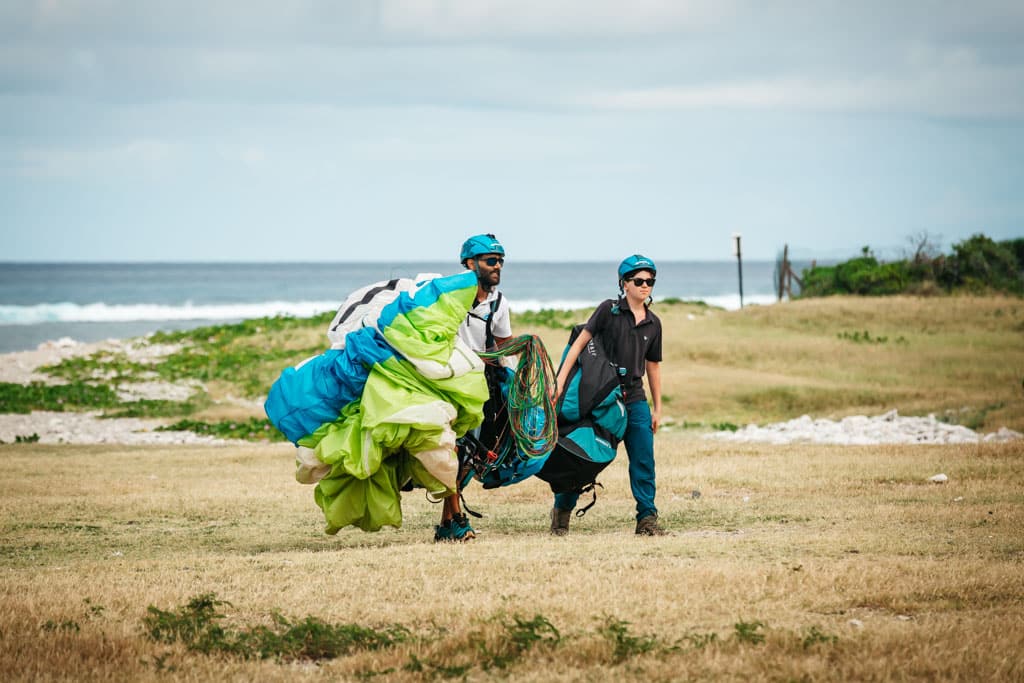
481	244
632	264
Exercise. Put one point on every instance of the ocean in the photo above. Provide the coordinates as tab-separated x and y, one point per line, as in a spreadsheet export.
91	302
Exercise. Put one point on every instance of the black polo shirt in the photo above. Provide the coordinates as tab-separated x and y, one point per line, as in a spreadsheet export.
629	345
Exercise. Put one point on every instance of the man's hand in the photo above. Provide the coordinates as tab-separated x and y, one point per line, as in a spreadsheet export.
655	420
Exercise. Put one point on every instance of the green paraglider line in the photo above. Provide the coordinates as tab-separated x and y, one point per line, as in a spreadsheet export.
530	388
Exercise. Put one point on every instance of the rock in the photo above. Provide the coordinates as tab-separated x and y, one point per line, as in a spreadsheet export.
1003	434
856	623
62	343
938	478
862	430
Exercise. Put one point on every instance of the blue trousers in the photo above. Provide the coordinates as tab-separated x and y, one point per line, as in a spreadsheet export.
639	440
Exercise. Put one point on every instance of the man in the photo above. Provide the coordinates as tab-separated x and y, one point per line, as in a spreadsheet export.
488	324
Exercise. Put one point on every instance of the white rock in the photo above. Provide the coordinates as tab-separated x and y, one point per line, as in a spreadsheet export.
62	343
938	478
856	623
862	430
1003	434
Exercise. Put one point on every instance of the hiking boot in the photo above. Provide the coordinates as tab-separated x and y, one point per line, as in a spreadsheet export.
456	529
560	521
648	526
461	529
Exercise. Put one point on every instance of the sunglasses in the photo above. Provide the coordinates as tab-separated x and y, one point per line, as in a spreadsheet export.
640	281
492	261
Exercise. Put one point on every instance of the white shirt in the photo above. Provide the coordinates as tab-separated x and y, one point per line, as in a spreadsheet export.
473	330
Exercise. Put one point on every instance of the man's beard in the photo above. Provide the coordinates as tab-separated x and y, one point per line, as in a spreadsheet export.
489	281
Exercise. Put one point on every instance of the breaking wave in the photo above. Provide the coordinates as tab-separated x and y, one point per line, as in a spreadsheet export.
109	313
100	312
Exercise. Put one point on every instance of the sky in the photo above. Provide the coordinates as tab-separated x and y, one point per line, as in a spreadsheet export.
390	130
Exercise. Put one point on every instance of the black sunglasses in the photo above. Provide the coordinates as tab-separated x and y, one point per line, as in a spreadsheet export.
640	282
492	261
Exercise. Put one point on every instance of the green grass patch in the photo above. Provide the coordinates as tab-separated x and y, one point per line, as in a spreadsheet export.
253	429
111	367
865	337
549	317
223	334
247	355
816	636
251	369
24	398
520	635
676	301
625	645
201	627
198	626
749	632
149	407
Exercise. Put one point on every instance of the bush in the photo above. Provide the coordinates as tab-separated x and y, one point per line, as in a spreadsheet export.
863	275
978	264
982	264
867	276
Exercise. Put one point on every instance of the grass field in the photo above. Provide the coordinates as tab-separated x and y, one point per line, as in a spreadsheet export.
794	562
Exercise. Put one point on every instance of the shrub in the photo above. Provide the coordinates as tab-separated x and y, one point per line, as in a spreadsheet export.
978	264
981	264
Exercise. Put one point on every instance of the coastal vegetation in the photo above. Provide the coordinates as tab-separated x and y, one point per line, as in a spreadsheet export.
958	357
976	265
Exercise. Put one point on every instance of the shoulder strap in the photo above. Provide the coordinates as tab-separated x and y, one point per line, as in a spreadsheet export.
488	321
489	335
611	344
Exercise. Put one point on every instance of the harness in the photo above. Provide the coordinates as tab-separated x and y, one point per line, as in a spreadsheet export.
488	321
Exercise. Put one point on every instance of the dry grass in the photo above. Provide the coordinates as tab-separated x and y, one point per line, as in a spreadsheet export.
803	539
958	357
845	560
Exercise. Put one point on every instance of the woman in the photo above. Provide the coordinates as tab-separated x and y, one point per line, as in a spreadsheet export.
631	335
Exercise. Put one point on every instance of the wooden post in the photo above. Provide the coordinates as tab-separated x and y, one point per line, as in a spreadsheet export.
739	261
784	271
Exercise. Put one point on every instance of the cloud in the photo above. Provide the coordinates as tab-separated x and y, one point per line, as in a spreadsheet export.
130	158
958	88
926	58
563	20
